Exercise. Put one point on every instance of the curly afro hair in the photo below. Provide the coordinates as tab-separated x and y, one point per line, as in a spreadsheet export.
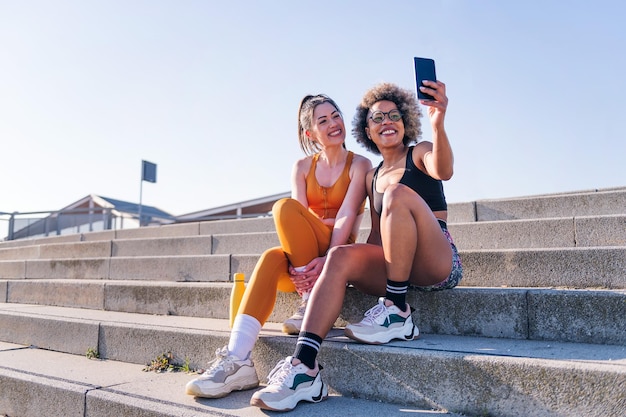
407	104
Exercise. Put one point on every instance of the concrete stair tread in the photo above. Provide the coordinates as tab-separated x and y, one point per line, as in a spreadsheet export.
579	267
432	368
115	388
535	328
563	314
582	231
568	231
485	346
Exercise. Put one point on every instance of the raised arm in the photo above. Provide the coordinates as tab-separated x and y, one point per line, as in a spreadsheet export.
436	158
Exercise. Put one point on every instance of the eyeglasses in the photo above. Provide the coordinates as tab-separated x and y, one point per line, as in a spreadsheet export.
379	116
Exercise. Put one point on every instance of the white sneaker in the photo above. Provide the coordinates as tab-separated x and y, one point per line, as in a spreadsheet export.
383	324
288	385
294	323
226	374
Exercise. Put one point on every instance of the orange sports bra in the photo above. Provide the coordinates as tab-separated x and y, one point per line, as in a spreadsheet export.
326	201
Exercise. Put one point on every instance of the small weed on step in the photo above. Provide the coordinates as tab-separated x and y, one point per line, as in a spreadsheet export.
167	363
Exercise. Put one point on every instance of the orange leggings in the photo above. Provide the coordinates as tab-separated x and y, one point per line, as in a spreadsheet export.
303	237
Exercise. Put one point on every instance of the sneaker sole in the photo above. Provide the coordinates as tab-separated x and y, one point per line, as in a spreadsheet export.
241	385
291	329
414	334
315	397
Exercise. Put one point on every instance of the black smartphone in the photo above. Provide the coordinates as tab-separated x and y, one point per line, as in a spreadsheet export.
424	70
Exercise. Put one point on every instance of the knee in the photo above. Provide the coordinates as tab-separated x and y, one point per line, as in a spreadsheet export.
337	253
285	206
397	192
338	262
270	268
399	195
272	256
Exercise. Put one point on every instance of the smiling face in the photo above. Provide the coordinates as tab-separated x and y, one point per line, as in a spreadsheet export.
328	128
387	133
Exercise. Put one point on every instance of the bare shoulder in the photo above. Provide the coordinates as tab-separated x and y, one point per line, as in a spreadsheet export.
362	162
421	149
303	165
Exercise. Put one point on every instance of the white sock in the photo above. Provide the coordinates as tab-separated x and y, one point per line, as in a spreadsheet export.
243	336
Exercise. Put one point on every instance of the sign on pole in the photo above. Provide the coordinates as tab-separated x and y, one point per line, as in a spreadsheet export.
148	173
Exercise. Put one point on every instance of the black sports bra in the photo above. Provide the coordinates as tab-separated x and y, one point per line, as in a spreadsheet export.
430	189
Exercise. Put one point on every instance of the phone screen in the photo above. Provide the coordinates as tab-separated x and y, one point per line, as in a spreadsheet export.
424	70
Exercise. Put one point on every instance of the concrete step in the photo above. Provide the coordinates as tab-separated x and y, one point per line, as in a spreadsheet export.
37	382
592	267
531	331
165	246
586	316
508	234
166	268
580	203
203	228
512	234
587	203
562	232
470	375
578	267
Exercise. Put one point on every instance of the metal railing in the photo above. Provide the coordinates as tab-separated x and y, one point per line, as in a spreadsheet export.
53	223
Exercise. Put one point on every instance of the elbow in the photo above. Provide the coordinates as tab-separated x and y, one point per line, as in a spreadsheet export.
447	175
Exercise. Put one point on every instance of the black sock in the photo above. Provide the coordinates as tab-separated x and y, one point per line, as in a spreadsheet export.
307	347
396	293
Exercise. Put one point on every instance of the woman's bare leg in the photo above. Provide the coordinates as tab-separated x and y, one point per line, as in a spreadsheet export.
359	264
415	252
414	246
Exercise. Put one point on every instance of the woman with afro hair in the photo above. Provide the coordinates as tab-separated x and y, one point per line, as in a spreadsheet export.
409	244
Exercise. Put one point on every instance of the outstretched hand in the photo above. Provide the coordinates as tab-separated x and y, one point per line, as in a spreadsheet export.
437	107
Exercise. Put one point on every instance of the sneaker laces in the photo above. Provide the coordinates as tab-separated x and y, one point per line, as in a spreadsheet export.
280	373
301	310
377	314
299	314
223	361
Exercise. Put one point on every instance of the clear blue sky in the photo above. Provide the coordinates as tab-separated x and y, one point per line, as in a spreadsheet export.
208	90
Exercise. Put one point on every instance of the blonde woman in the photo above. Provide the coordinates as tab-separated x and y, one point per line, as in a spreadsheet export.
324	211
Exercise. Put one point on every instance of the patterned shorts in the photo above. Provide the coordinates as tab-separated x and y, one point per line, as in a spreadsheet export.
457	269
